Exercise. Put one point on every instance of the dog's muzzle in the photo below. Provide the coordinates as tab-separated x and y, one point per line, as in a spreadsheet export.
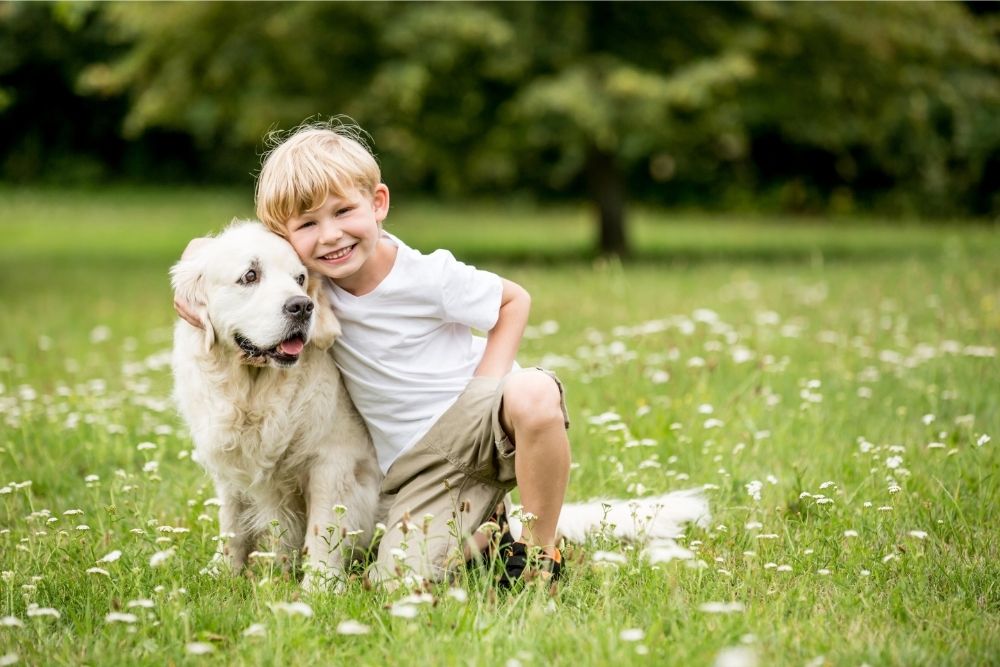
298	310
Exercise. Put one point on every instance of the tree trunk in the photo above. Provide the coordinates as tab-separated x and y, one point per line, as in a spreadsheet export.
607	190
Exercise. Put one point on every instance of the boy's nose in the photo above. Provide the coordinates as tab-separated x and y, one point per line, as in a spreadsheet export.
329	231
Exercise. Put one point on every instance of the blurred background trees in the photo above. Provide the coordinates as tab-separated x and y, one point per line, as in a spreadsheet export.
798	107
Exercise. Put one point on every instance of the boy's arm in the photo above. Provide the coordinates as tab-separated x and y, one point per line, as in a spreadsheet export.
505	336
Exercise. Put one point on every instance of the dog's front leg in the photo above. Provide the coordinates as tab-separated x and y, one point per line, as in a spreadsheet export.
237	537
324	558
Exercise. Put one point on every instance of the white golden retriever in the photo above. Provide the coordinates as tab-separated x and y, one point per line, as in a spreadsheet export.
270	418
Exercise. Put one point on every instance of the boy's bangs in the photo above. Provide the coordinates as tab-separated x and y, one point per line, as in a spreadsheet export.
306	190
303	191
321	178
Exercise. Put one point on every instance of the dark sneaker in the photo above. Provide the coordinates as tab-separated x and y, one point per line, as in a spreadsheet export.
499	539
523	564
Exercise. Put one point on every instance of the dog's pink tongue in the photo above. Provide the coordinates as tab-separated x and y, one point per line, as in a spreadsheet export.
291	346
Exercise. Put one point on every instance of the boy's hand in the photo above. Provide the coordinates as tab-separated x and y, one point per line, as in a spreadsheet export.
184	309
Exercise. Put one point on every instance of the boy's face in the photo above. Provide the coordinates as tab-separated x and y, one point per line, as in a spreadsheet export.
340	239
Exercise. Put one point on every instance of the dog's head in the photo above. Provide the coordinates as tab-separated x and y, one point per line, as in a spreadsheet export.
254	296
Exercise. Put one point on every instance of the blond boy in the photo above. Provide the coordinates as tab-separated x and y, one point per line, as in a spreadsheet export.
455	424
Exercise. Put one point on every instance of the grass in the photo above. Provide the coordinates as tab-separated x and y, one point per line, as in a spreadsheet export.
848	370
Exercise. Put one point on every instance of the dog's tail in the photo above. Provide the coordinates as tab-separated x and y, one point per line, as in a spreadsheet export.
640	519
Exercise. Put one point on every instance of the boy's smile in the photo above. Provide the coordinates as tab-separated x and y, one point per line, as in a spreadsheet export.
339	255
342	239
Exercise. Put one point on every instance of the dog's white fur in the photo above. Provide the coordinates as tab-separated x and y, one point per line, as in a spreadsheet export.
282	442
652	518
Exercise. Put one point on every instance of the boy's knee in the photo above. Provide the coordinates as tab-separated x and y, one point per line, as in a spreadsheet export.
532	400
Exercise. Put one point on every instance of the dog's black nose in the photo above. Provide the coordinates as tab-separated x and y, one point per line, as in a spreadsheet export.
299	307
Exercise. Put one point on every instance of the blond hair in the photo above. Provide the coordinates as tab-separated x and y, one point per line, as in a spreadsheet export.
312	162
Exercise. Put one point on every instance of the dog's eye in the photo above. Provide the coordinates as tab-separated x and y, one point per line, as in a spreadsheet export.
249	277
301	279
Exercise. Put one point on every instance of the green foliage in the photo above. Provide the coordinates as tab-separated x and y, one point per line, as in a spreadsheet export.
227	73
904	90
908	89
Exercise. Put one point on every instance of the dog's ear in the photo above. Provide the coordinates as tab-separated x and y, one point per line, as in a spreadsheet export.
326	328
188	280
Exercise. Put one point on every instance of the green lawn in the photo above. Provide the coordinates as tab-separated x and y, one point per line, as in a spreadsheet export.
845	371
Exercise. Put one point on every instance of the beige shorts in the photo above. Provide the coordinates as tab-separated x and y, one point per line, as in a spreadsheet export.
450	482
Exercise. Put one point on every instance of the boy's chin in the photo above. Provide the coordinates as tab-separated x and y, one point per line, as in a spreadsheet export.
333	273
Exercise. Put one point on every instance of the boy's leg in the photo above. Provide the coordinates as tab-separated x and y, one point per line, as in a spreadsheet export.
425	523
465	464
534	417
450	474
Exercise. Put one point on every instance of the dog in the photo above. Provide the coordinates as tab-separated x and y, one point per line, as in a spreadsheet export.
265	405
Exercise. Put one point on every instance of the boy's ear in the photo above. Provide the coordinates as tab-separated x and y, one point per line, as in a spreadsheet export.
326	328
188	280
380	202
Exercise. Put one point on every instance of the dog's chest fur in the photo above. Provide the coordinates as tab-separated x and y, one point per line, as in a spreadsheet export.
263	425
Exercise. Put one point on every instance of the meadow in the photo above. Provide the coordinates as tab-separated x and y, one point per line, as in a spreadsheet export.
832	384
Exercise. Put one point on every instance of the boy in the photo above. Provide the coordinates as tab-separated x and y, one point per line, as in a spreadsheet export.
454	428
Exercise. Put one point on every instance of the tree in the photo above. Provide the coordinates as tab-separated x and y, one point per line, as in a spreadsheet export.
595	98
635	81
466	94
568	90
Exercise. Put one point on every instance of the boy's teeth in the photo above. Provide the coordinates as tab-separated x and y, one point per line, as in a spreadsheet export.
339	253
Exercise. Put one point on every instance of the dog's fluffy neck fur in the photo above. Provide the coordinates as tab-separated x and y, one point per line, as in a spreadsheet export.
247	406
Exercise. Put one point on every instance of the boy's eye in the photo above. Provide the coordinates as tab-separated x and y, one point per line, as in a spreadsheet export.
346	209
249	277
301	279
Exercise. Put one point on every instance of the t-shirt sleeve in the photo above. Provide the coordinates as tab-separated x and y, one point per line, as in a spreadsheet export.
469	295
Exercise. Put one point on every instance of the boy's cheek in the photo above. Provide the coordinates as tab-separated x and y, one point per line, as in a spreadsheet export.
301	247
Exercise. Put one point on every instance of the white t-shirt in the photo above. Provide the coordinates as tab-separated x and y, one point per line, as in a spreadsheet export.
407	350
